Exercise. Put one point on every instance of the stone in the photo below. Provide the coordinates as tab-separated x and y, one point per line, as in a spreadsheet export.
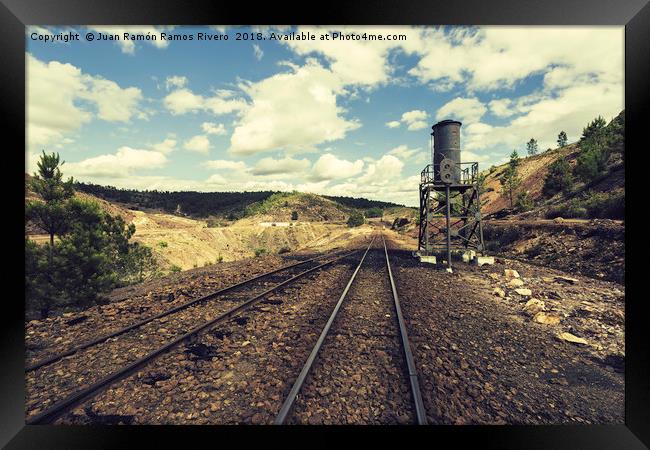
468	255
483	260
499	292
511	273
533	306
515	283
546	319
524	292
571	338
567	280
428	259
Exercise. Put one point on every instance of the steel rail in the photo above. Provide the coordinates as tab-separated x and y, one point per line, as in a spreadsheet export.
297	385
71	401
413	376
54	358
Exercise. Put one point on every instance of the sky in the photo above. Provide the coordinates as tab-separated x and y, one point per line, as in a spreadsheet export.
331	116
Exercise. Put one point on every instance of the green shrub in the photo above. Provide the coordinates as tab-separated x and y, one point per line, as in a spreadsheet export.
593	205
214	223
174	268
592	161
259	252
374	212
606	206
496	237
162	244
559	178
356	219
524	201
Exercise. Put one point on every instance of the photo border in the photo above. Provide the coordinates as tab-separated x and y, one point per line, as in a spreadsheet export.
634	14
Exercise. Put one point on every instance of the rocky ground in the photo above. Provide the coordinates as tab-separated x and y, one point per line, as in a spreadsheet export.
489	352
595	248
509	343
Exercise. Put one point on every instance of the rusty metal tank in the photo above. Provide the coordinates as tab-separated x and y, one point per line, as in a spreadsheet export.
446	146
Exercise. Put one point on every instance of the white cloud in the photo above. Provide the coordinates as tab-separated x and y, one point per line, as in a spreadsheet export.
329	167
466	110
501	107
128	45
382	172
404	153
414	120
413	116
358	62
199	144
496	57
213	128
114	104
292	111
545	116
183	100
270	166
175	81
118	165
257	51
59	96
220	164
167	146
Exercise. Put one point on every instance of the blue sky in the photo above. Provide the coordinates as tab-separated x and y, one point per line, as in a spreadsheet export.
340	117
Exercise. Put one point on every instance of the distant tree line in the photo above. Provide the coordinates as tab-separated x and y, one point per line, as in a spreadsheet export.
361	203
233	205
198	204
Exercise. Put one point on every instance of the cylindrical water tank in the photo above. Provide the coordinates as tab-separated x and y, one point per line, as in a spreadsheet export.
446	144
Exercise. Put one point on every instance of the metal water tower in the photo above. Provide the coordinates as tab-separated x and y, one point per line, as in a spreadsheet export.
450	203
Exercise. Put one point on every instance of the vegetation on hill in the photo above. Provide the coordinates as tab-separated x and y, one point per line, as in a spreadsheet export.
292	206
230	205
92	254
199	204
580	180
356	219
361	203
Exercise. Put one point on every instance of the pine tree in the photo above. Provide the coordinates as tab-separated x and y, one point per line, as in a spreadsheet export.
593	128
511	180
532	147
562	139
559	178
50	213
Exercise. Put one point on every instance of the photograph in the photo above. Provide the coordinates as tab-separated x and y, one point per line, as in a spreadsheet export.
325	225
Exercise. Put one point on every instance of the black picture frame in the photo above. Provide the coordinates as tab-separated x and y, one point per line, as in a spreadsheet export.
16	14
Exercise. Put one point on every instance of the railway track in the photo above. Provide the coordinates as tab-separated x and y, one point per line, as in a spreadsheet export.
119	354
356	344
247	283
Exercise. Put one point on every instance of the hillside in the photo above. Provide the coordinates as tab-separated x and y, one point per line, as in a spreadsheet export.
571	229
222	205
603	196
237	227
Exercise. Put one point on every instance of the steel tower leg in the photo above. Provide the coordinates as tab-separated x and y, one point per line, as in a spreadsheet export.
447	199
